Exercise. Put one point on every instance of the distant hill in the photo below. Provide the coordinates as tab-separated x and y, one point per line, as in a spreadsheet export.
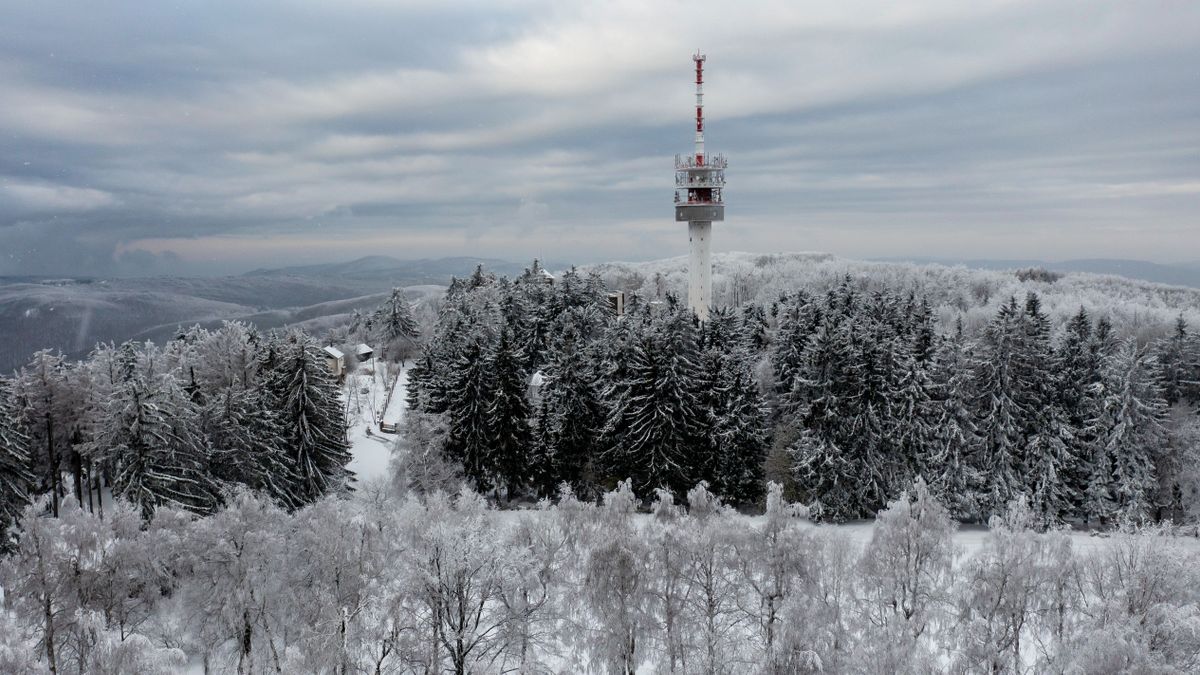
73	314
379	269
1184	274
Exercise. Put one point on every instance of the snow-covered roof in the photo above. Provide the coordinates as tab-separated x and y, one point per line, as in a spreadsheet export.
334	352
363	348
547	276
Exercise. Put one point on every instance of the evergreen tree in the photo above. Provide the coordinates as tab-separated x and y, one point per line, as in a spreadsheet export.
468	398
312	423
16	481
1178	358
736	416
1048	458
150	435
739	436
1131	436
248	447
655	433
571	417
1001	387
508	427
952	464
393	324
1077	370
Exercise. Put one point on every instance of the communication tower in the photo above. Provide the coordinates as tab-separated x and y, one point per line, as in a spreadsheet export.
699	183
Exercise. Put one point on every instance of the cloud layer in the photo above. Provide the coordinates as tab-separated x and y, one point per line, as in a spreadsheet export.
200	136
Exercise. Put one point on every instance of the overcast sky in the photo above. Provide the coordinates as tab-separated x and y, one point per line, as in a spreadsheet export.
194	136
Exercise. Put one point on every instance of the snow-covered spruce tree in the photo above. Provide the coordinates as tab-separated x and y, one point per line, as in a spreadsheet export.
509	433
392	323
312	424
1178	358
1130	437
656	431
150	434
999	373
737	425
571	417
248	446
1048	454
835	460
953	473
468	398
16	481
911	414
800	317
1077	367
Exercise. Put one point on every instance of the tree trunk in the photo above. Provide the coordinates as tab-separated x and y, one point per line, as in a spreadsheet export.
52	458
77	471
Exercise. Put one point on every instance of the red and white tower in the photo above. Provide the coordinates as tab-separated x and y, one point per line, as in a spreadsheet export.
699	182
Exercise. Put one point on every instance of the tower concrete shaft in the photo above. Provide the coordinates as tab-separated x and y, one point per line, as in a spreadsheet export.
699	184
700	267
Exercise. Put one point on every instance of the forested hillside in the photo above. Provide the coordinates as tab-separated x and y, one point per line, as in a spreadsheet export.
189	503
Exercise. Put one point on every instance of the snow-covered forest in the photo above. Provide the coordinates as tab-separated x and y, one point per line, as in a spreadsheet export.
575	490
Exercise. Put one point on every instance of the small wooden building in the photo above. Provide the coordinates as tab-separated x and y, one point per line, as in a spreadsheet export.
616	303
335	360
363	352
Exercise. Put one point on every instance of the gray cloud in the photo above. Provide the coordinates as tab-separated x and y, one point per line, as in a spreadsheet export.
226	136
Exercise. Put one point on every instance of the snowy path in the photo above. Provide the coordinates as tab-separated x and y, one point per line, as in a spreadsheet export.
366	392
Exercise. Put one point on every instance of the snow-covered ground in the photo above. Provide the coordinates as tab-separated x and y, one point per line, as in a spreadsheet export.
367	406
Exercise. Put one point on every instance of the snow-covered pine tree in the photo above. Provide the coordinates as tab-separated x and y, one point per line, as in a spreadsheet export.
149	434
418	392
738	435
737	420
468	398
911	413
16	481
799	319
394	326
313	425
1178	358
1077	369
951	464
248	447
509	433
754	327
1000	407
1132	436
571	417
1048	457
655	432
831	459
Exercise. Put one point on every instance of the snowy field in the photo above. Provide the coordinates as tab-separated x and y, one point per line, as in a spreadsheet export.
368	405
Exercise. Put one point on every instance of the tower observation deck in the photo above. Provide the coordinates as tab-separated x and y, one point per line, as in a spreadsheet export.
699	201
